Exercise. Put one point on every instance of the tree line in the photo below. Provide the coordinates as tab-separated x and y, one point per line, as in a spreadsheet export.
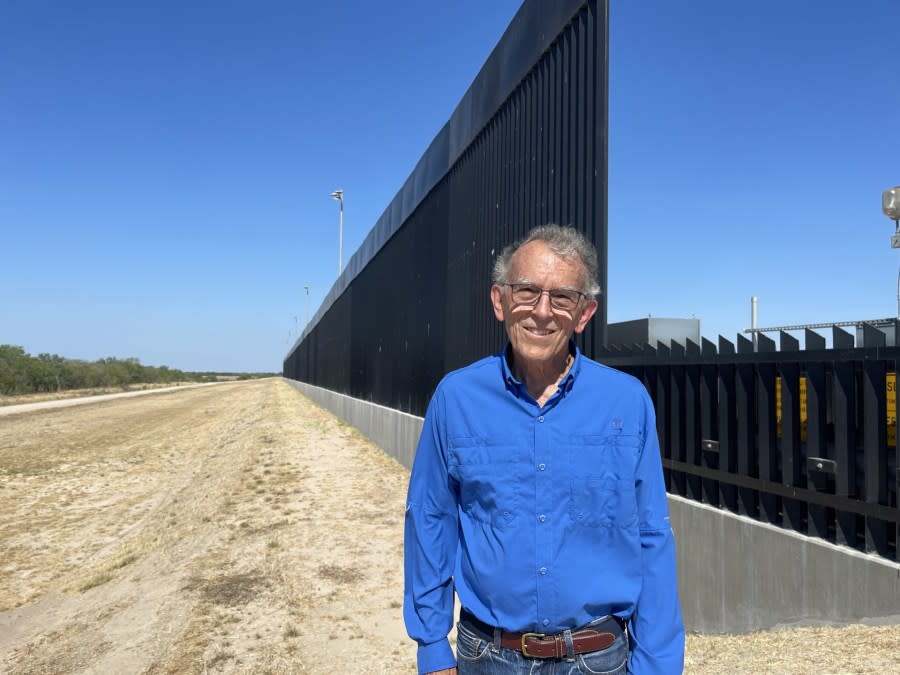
22	373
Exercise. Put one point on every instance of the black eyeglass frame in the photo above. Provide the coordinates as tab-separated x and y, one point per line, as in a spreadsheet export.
549	291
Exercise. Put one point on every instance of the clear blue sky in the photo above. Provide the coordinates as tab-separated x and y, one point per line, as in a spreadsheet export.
165	167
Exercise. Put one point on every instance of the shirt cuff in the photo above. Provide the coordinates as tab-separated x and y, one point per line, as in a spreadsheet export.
435	656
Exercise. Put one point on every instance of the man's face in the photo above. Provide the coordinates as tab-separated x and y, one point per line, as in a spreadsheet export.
540	333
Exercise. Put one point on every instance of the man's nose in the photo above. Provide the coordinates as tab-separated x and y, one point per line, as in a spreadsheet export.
543	307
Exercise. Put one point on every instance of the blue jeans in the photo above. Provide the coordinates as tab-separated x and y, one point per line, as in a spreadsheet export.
476	655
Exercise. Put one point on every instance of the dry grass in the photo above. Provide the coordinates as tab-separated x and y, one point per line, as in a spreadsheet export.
196	531
810	650
231	590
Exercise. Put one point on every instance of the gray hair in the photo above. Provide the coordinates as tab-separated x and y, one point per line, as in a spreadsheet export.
566	242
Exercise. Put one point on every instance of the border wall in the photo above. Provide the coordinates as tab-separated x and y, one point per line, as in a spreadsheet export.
528	145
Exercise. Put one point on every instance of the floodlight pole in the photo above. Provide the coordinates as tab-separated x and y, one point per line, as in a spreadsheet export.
339	195
890	206
306	288
897	236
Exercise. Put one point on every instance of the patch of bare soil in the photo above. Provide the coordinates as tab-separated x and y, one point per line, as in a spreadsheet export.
807	650
240	528
237	528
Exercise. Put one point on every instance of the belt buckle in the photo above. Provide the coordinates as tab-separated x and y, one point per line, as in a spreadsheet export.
525	636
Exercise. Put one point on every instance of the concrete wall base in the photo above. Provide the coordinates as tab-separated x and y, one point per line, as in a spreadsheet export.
735	573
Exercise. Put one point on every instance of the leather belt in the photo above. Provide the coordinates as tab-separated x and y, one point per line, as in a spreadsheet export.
553	646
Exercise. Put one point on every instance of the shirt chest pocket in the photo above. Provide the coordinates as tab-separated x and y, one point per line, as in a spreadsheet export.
489	480
602	492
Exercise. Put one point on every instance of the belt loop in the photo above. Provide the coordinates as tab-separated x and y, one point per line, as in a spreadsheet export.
495	645
570	646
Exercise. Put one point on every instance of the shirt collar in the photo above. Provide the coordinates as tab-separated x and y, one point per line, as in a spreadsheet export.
565	384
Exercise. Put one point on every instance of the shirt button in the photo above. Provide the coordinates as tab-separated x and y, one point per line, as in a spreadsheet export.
542	466
546	622
541	418
542	517
543	570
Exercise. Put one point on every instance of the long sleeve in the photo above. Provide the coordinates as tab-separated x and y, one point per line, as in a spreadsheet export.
656	629
430	545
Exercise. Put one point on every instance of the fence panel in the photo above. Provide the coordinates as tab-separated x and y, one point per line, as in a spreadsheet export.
727	426
802	439
791	463
692	427
709	420
745	418
874	442
844	408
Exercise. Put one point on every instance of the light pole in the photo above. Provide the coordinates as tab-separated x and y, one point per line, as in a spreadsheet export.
890	206
339	195
306	288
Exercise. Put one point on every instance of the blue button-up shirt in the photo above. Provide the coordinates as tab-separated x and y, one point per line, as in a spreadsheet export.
541	518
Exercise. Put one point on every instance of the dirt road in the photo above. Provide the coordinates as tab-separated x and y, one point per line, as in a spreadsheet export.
240	528
232	528
15	405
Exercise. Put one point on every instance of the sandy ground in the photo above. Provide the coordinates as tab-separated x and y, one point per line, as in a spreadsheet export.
236	528
240	528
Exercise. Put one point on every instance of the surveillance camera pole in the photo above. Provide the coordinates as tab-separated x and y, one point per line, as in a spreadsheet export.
895	243
890	206
339	195
306	288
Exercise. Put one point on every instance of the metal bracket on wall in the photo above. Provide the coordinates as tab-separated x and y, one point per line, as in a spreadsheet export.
821	464
709	445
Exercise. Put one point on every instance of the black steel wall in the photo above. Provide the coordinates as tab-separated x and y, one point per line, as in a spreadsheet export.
420	307
802	439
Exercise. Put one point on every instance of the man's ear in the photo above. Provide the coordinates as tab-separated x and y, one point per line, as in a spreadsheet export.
496	301
590	308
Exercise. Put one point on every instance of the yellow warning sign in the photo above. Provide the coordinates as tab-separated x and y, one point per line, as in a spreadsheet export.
891	385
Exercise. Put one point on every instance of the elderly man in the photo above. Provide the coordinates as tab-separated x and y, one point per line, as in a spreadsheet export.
537	495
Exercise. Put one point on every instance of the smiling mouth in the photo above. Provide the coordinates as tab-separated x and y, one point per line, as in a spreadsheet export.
540	332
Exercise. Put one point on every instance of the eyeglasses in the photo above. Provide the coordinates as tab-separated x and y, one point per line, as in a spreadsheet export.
563	299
